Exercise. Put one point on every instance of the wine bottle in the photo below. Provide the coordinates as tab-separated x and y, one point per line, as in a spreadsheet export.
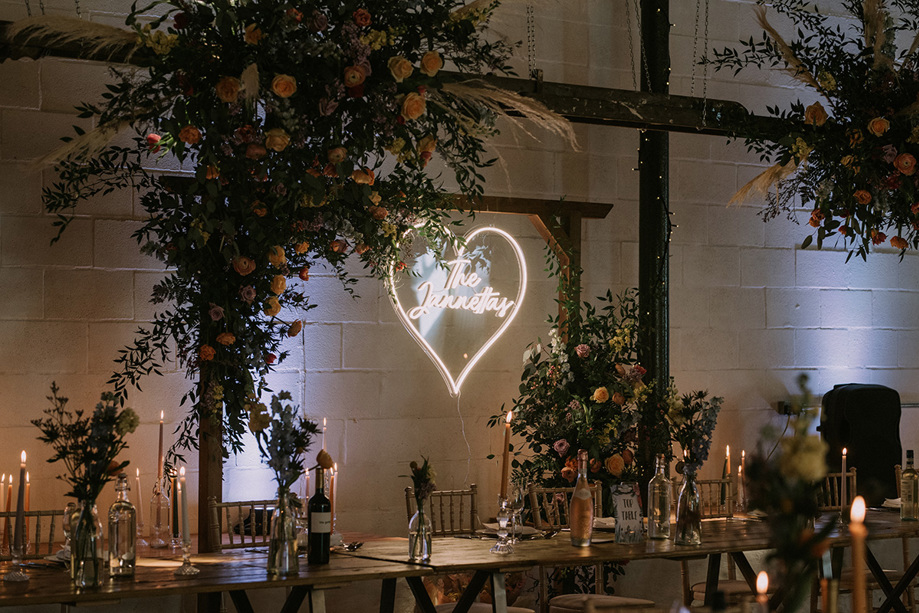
319	517
659	496
581	510
122	531
909	490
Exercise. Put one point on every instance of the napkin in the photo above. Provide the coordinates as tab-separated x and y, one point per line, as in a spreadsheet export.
604	523
891	503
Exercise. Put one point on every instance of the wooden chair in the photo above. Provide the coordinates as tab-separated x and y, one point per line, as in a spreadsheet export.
245	523
829	496
452	512
44	532
550	512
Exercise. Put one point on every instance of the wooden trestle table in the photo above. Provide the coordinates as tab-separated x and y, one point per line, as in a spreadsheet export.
237	571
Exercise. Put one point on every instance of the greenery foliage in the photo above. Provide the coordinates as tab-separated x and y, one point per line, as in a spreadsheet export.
283	436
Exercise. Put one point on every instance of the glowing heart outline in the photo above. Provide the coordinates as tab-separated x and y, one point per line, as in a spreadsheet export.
454	385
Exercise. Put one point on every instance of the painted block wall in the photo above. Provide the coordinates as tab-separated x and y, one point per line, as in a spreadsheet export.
749	310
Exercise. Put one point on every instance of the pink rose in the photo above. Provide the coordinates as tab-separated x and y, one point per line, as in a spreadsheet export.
561	447
582	350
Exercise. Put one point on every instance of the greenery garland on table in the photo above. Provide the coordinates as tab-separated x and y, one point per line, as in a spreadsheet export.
855	158
306	127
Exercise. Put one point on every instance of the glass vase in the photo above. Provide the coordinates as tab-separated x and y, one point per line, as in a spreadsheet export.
689	512
86	560
419	535
282	543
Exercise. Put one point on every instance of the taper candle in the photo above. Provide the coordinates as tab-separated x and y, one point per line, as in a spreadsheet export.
743	469
140	500
20	505
506	459
28	491
175	505
9	504
843	499
727	458
159	456
858	532
323	432
183	494
333	490
762	591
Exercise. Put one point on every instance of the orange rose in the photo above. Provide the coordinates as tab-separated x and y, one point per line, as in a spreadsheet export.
815	114
206	353
377	212
569	474
361	17
276	256
400	68
898	242
273	307
862	196
413	106
615	465
338	246
284	85
337	155
816	218
431	63
301	248
253	34
190	135
304	273
226	338
878	126
354	76
601	394
295	328
278	284
243	265
363	176
905	163
227	89
258	207
277	139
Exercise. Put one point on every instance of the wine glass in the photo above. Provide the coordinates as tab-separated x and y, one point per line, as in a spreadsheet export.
515	502
69	510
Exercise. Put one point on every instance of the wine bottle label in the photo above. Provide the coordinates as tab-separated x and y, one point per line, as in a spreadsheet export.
321	523
582	493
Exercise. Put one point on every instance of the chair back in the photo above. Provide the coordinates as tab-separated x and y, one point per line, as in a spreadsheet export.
716	497
451	512
550	505
245	523
829	495
43	530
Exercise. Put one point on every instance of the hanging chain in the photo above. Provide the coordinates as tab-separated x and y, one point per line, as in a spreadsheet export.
628	25
531	40
641	45
705	68
695	43
28	8
41	5
76	4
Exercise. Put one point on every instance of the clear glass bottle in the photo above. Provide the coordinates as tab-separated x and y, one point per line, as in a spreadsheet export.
319	513
660	494
159	518
909	490
122	531
581	511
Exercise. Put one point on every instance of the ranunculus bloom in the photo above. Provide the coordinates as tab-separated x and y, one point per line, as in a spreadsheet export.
327	107
258	207
337	155
905	163
278	284
206	353
243	265
304	273
377	212
256	151
582	350
569	474
413	106
615	465
276	256
295	328
400	68
878	126
361	17
890	153
153	141
227	89
190	135
877	237
862	196
284	85
277	139
815	114
816	218
253	34
898	242
215	312
431	63
272	306
361	248
561	447
338	246
226	338
618	398
628	457
601	394
364	176
595	465
354	76
247	294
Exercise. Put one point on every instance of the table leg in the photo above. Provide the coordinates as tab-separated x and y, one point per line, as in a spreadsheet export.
295	599
210	602
241	601
388	596
711	578
317	601
743	565
498	593
892	595
421	595
472	591
902	584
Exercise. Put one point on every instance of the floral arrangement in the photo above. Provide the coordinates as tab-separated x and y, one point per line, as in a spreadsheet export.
785	486
692	422
304	131
283	436
852	154
88	445
422	480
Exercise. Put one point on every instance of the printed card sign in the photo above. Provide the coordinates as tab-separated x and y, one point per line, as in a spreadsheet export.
456	309
628	513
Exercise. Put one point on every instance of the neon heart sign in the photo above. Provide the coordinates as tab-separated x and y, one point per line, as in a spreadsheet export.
456	310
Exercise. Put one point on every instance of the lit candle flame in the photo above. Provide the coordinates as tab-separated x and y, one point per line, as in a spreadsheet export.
858	510
844	451
23	456
510	414
762	583
27	477
161	415
138	472
182	472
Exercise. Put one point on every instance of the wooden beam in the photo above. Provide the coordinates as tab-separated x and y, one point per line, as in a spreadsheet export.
533	206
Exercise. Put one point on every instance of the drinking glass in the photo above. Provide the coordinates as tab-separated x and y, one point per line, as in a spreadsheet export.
69	510
516	499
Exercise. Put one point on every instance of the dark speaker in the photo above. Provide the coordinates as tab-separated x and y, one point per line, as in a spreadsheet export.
865	419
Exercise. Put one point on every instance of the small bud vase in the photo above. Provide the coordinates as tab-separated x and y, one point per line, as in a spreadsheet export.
419	535
282	544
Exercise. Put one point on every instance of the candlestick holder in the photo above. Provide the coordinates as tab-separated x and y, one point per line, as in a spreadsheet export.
187	569
503	546
159	512
141	541
17	573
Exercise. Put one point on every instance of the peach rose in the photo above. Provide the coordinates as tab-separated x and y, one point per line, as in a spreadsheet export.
302	248
363	176
276	256
284	85
277	139
206	353
898	242
278	284
190	135
354	76
226	338
615	465
337	155
304	273
815	114
361	17
905	163
878	126
273	307
400	68
601	394
431	63
295	328
227	89
253	34
618	398
243	265
862	196
338	246
569	474
377	212
413	106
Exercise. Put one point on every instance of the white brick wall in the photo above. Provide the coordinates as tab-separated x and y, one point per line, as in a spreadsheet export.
749	309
